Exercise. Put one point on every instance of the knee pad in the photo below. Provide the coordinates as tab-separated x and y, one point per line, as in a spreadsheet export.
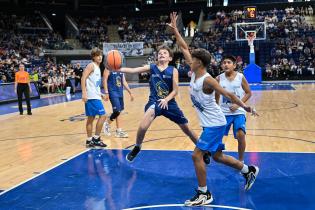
114	115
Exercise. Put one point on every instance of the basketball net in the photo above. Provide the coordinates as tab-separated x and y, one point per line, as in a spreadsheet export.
250	40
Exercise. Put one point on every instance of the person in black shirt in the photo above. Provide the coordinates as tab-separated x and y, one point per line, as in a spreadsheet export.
78	74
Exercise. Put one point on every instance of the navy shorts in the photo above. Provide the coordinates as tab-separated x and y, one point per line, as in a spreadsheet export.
173	112
117	103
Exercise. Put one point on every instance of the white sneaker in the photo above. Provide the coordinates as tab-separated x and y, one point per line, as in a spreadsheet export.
200	199
107	129
121	134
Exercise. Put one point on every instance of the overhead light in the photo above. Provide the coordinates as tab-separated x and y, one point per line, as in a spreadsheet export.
191	12
53	14
137	9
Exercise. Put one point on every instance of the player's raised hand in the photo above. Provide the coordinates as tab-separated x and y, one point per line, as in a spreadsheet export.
173	17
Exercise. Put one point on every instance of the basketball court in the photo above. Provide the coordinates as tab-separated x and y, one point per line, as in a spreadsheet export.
45	165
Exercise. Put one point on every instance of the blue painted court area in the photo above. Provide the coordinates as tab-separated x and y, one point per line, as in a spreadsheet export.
102	179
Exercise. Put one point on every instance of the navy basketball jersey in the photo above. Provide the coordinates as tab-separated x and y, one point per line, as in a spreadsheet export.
115	84
161	83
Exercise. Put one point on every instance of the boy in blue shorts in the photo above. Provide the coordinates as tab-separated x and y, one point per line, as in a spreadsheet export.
236	83
163	89
114	84
91	95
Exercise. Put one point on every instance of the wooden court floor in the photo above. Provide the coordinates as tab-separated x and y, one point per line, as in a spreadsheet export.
30	145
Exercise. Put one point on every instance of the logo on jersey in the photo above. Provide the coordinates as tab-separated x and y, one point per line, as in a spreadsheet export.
161	89
118	81
196	103
98	83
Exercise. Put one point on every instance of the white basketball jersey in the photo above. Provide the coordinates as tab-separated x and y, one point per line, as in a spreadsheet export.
234	87
208	111
93	84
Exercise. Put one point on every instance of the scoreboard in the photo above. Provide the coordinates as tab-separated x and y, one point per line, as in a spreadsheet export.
250	12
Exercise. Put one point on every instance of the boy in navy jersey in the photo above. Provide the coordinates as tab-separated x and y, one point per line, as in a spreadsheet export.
163	89
114	84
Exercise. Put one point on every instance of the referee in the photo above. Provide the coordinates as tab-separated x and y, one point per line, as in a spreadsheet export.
23	86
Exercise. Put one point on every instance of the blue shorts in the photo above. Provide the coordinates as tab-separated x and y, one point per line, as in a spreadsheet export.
239	122
173	112
94	107
117	103
211	139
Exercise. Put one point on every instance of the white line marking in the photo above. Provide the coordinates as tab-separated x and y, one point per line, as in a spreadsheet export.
179	205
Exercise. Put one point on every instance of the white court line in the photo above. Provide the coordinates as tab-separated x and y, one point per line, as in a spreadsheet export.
179	205
43	172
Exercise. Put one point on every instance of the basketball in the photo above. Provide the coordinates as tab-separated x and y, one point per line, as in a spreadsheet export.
114	60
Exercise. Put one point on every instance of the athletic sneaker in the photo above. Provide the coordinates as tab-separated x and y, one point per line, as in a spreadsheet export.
107	128
200	199
97	143
133	153
250	177
121	134
207	158
87	143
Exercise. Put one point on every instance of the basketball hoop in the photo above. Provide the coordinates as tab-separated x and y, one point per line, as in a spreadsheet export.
251	36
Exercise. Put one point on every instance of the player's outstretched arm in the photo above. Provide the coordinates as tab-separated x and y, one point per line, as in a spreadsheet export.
135	70
180	41
216	87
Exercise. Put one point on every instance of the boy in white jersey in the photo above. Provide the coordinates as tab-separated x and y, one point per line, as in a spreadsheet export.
212	119
91	95
236	83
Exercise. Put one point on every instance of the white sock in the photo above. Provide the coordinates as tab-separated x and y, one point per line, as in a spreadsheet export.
203	189
89	138
96	136
244	169
118	129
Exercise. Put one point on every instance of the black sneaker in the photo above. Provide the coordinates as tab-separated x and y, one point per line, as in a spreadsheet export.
87	143
97	143
250	177
29	113
200	199
207	158
133	153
